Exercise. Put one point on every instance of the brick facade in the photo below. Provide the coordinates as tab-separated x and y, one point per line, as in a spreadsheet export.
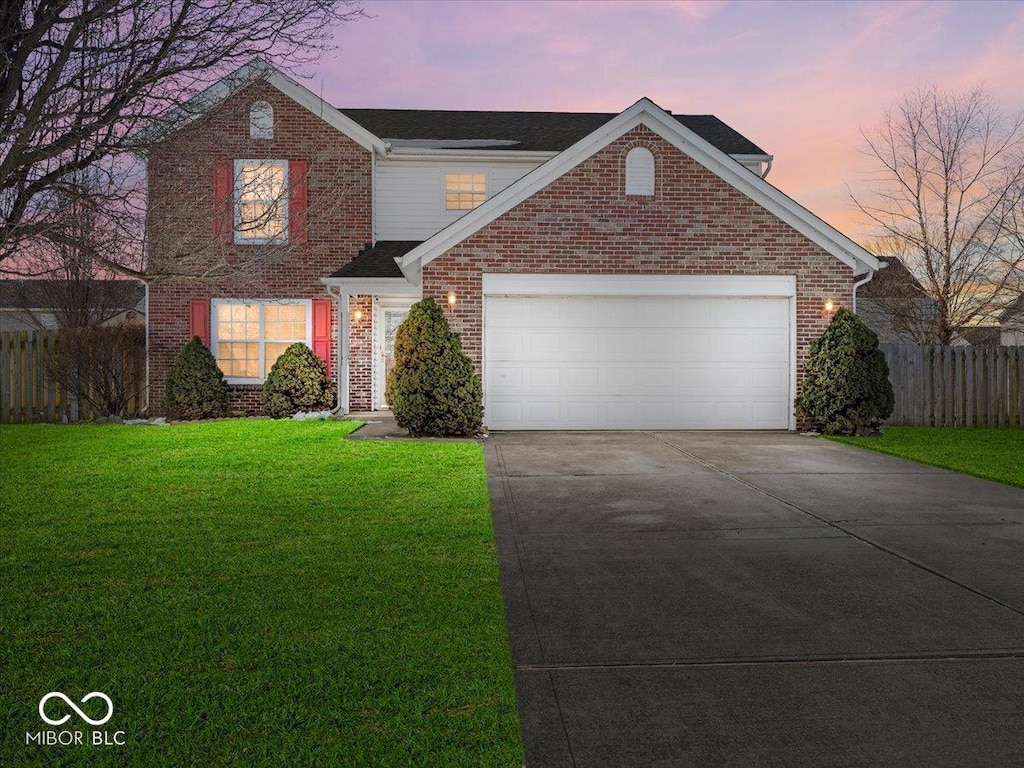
583	222
190	262
694	224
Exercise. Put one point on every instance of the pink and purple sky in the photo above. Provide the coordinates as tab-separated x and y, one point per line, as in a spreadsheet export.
798	78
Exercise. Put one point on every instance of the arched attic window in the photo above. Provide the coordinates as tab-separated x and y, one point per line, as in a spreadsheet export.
261	121
640	172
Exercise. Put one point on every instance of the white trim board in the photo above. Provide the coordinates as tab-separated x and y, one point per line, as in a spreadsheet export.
373	286
647	113
526	284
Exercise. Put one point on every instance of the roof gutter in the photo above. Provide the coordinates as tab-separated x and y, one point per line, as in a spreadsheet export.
765	160
418	153
858	283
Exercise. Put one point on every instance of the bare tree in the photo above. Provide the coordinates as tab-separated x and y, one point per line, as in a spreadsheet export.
948	200
79	77
73	285
259	233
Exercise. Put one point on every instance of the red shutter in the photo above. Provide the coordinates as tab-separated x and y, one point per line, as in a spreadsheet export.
322	330
199	320
298	200
223	221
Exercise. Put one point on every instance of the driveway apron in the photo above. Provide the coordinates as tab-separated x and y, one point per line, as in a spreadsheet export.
693	598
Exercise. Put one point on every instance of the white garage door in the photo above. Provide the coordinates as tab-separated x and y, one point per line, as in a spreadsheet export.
637	362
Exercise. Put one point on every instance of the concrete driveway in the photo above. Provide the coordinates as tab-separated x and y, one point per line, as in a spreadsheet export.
682	598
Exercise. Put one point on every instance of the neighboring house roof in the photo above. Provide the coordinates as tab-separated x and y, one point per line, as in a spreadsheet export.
646	112
1013	313
378	261
526	131
981	335
896	281
41	294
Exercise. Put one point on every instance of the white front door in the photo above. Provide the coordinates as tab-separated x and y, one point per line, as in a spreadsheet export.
388	314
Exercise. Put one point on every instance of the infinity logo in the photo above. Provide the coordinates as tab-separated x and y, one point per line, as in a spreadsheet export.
79	712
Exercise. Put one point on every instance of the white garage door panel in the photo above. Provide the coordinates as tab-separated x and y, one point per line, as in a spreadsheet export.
616	362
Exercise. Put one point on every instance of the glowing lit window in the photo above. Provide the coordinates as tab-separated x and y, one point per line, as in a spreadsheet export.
261	201
249	335
464	191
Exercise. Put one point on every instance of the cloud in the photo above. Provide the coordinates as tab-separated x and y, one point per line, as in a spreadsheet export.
797	78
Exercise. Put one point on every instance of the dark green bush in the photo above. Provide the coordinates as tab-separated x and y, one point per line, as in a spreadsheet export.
433	389
298	382
846	388
195	386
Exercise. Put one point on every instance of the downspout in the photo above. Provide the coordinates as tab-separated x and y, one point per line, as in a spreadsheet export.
343	353
145	396
857	284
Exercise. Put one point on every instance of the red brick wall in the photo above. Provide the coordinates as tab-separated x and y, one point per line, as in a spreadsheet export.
181	234
360	353
695	224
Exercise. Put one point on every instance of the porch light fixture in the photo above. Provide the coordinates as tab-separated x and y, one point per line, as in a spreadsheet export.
451	299
357	315
827	309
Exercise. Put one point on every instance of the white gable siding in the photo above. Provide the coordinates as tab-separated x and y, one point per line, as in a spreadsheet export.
409	194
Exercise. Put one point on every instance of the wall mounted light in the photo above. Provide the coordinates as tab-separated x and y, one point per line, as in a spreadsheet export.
452	299
827	309
357	315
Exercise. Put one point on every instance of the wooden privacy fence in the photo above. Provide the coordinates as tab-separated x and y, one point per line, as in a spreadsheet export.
28	393
956	386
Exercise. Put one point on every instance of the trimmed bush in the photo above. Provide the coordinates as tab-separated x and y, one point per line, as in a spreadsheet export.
195	385
433	389
846	388
298	382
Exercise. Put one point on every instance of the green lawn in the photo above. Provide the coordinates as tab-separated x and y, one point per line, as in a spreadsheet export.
252	593
990	453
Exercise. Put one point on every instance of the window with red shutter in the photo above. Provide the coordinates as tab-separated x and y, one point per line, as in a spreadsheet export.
322	330
298	202
199	320
223	217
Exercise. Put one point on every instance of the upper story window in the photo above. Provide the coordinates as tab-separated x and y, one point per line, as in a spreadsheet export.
464	191
261	201
261	121
640	172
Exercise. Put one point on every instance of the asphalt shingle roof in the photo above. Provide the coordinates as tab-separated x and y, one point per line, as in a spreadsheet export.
895	281
43	294
1013	311
532	131
378	261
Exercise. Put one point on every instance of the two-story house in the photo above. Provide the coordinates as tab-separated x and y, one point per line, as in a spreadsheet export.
604	271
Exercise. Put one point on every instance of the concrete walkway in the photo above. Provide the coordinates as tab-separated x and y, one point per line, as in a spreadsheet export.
757	599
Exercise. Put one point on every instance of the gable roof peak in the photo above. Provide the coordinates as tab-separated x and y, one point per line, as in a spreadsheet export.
645	112
241	78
